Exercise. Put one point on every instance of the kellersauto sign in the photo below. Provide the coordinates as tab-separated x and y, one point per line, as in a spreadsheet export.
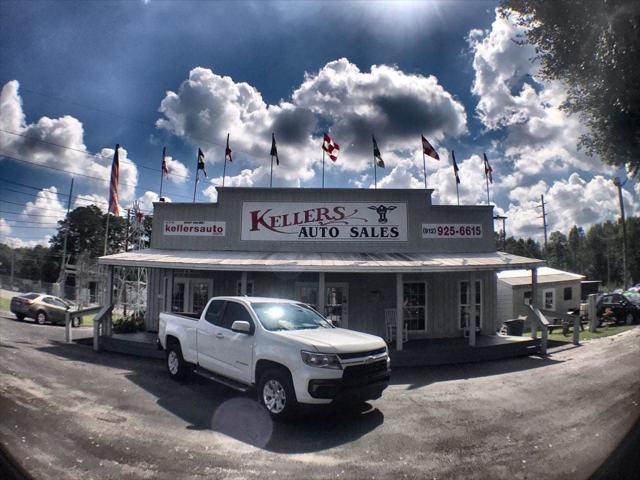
323	221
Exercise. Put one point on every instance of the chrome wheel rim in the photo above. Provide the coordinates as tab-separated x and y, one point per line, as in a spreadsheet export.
40	318
173	362
274	396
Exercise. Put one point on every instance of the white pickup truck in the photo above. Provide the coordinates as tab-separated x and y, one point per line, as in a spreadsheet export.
283	347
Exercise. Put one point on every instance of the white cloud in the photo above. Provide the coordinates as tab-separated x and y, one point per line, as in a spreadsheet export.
146	201
66	131
540	137
574	201
5	228
385	101
178	171
46	203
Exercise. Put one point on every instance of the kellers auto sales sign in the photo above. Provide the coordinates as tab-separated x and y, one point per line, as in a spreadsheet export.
289	221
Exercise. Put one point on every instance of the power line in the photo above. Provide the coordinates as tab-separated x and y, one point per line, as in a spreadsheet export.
85	152
10	156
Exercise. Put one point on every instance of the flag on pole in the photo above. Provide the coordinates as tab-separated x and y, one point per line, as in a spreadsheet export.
274	149
330	147
113	186
165	165
376	153
427	149
488	171
227	151
201	163
455	167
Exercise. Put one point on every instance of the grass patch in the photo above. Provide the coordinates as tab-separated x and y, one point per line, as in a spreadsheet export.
587	335
5	304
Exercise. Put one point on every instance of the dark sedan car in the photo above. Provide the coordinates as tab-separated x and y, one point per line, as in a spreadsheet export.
624	308
42	308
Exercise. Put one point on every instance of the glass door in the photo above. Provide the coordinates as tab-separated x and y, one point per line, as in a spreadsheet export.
190	295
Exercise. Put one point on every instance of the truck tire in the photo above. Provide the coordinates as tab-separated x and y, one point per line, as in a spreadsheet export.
276	394
176	366
76	322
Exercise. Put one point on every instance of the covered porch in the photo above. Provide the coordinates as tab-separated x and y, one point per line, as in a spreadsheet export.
377	284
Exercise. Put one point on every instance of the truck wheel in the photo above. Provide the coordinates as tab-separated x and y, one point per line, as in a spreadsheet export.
41	317
75	322
177	367
629	319
277	394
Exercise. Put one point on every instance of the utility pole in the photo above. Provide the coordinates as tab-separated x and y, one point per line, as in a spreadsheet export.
617	183
62	278
544	220
126	248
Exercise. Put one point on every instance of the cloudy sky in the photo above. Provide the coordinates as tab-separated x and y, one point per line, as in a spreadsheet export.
78	77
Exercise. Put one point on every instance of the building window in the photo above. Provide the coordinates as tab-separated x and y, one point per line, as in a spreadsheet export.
467	306
527	297
415	306
568	293
549	299
249	288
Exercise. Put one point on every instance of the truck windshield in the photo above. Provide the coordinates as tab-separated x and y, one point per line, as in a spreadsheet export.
288	316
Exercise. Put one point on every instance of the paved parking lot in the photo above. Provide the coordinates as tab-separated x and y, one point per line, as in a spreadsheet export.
68	412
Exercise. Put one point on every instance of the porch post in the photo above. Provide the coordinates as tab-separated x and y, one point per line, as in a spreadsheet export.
534	300
472	307
243	283
399	311
322	294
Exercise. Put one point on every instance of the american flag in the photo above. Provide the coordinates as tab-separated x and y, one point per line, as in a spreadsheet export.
165	165
427	149
330	147
113	186
488	171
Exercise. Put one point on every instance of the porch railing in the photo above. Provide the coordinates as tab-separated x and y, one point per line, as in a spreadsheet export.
538	320
68	337
98	325
568	319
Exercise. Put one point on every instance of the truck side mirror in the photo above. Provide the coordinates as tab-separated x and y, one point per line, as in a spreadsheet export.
241	326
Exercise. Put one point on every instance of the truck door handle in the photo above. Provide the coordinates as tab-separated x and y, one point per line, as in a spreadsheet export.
219	335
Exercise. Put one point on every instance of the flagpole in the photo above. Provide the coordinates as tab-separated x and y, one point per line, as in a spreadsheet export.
424	169
486	179
458	193
196	185
106	235
375	174
224	169
322	168
271	178
161	179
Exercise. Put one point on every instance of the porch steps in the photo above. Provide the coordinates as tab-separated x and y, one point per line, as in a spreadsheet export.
447	354
130	347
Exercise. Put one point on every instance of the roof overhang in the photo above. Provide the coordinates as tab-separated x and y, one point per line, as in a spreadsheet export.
319	262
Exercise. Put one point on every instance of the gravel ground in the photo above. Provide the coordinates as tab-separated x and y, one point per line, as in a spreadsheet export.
67	412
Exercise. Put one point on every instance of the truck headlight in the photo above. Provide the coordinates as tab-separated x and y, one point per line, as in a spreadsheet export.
322	360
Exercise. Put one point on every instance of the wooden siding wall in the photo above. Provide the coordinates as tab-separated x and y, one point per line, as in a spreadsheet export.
369	296
519	308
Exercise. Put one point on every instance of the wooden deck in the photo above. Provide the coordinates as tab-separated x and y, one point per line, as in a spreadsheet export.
444	351
416	353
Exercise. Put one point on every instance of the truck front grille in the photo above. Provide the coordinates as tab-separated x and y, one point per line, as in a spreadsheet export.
348	356
366	373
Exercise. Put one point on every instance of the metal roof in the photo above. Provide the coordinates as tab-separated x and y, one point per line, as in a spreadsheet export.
319	262
545	275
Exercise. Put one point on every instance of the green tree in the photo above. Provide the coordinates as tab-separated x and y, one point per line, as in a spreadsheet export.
86	227
593	48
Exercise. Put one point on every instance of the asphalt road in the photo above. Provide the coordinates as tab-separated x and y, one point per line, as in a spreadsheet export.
67	412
